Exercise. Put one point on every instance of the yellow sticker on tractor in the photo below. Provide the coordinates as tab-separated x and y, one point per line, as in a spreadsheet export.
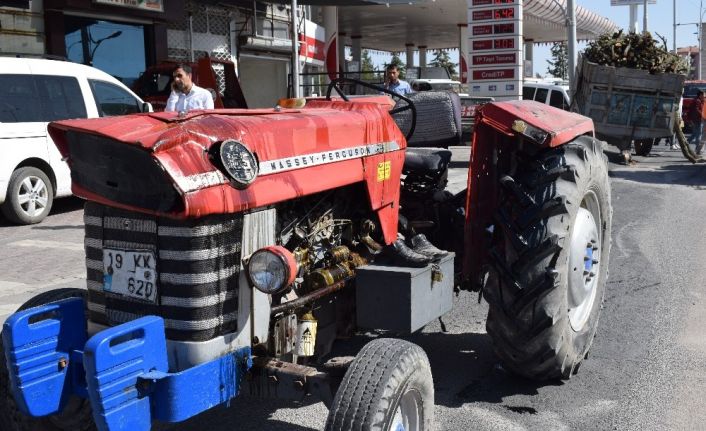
384	171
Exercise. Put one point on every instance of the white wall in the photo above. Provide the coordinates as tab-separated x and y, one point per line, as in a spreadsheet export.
22	30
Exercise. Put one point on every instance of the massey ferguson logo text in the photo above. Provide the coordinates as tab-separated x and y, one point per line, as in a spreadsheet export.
324	157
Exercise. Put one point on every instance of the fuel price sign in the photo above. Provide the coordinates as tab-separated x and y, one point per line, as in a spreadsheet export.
495	48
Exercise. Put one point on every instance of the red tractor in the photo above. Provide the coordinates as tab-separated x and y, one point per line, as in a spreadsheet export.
234	242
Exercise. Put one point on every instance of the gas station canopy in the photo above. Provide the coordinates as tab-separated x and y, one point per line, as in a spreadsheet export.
391	25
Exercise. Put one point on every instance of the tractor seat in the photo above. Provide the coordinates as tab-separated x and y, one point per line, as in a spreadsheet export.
426	159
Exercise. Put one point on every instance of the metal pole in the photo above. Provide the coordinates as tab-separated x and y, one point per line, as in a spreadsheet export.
674	25
633	18
295	52
701	7
191	38
644	19
571	36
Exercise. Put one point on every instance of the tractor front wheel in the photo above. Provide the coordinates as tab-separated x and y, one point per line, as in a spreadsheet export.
387	388
550	256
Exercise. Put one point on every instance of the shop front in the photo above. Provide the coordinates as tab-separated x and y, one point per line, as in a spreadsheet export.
120	37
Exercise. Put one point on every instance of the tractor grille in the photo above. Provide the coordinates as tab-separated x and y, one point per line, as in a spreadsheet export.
120	172
198	265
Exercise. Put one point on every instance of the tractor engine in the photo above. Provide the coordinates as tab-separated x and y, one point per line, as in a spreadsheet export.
189	271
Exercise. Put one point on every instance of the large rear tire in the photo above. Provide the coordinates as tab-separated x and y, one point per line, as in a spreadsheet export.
550	258
387	388
77	415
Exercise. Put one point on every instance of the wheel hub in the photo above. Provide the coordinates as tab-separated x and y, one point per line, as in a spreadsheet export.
33	196
584	261
408	414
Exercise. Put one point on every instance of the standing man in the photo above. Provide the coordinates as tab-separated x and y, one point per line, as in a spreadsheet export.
393	81
695	117
185	94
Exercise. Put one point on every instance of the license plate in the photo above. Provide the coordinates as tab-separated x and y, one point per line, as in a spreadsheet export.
131	273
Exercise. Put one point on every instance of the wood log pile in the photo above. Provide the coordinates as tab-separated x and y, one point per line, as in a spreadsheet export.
636	51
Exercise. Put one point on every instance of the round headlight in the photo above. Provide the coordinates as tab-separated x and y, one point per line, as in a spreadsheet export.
239	162
271	269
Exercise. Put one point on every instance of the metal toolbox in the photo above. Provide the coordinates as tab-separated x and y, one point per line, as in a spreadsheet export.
402	299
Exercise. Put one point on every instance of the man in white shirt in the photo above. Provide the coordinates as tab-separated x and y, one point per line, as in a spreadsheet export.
185	94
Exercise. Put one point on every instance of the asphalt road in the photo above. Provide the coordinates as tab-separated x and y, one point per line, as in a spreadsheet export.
646	368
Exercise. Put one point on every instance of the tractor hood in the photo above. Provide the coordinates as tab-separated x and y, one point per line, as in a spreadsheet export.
161	163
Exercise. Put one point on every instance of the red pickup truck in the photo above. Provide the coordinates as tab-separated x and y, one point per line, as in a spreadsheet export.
155	84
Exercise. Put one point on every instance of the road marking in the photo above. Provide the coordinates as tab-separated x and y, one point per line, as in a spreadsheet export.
64	245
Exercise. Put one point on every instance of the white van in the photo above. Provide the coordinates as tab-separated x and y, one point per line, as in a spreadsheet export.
556	95
34	92
429	84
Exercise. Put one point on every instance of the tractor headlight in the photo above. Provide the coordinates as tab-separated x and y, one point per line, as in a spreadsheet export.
239	162
271	269
534	133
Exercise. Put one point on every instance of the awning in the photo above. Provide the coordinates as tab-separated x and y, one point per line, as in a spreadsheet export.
434	23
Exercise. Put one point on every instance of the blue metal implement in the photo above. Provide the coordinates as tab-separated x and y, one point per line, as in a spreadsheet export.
39	345
114	359
123	370
129	386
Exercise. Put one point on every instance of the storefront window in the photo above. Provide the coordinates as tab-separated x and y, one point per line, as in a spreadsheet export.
114	47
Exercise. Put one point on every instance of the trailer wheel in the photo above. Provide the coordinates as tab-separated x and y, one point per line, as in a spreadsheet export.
643	146
550	257
77	415
388	388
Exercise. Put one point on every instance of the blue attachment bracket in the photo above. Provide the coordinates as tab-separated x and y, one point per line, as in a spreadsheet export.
41	345
129	385
181	395
114	359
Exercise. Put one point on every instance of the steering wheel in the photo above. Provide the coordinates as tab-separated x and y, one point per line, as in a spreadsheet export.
335	84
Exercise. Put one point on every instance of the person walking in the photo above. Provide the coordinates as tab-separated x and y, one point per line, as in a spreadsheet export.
185	94
700	143
695	117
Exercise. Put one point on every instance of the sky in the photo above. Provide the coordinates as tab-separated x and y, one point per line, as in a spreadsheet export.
659	20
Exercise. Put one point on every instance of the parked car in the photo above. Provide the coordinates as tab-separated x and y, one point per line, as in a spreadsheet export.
428	84
550	93
34	92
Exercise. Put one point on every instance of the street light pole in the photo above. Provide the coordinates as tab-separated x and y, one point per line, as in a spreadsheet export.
674	24
571	36
700	24
98	43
